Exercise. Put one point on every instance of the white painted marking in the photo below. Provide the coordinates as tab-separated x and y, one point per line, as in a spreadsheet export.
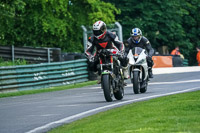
177	82
45	115
68	105
65	120
89	93
84	94
169	70
77	96
93	88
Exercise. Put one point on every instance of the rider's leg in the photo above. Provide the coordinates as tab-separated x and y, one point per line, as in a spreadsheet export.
93	66
150	65
125	72
150	73
124	63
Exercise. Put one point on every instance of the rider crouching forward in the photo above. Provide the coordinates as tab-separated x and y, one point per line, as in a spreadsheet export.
137	40
103	39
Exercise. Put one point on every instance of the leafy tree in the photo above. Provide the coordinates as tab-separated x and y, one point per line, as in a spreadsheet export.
50	23
171	23
191	25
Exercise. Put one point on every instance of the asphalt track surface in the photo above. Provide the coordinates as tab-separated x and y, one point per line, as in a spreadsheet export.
41	112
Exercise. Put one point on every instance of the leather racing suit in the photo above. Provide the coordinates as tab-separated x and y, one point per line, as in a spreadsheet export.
110	41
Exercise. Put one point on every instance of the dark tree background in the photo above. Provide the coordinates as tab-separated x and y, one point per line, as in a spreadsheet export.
50	23
57	23
163	22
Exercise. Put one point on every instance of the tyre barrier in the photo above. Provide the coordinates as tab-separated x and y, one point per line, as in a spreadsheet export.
72	56
177	61
92	75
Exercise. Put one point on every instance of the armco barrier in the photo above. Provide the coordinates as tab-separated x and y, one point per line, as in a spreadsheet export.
30	54
29	77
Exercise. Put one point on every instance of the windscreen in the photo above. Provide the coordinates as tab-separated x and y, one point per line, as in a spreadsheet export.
136	50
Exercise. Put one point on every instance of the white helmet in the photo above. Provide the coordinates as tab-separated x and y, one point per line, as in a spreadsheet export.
136	32
99	29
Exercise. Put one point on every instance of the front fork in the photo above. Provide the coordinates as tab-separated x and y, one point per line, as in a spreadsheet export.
132	72
111	63
110	72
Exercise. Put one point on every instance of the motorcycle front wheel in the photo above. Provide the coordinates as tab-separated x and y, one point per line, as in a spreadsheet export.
136	82
106	86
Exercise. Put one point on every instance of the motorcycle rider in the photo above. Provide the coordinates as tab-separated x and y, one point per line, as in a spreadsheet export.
137	40
103	39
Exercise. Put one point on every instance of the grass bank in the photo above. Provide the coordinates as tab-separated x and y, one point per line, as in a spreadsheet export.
19	93
176	113
11	63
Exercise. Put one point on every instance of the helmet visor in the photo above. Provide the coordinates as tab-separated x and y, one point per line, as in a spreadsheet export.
136	38
97	32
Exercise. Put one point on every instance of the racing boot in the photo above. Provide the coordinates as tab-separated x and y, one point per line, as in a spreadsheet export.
125	72
144	84
98	78
150	73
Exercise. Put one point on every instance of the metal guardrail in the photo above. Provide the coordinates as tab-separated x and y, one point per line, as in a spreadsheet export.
37	76
30	54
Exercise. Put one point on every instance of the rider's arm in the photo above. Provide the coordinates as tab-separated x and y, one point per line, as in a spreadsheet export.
90	48
118	44
150	50
127	47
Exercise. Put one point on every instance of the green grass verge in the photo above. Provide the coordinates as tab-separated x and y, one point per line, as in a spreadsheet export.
176	113
10	63
19	93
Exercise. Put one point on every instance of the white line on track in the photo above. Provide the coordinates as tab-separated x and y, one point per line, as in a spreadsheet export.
177	82
162	83
65	120
92	88
74	105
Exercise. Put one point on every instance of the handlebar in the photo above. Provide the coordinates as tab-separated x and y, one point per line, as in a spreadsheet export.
112	52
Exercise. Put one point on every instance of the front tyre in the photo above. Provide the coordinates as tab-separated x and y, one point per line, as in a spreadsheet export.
106	86
136	82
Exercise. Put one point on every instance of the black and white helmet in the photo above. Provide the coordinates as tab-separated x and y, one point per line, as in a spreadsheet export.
99	29
136	32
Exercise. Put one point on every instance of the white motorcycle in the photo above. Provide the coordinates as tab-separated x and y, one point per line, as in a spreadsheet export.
138	69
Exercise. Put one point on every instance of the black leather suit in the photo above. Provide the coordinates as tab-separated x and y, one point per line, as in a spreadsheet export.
110	41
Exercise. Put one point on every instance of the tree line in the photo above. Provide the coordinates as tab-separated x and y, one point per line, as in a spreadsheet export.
163	22
56	23
50	23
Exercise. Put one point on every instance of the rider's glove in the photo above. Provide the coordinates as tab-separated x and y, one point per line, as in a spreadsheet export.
121	55
148	57
91	58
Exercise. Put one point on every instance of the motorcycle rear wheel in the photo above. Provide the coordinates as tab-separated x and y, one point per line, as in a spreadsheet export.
106	86
144	89
119	94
